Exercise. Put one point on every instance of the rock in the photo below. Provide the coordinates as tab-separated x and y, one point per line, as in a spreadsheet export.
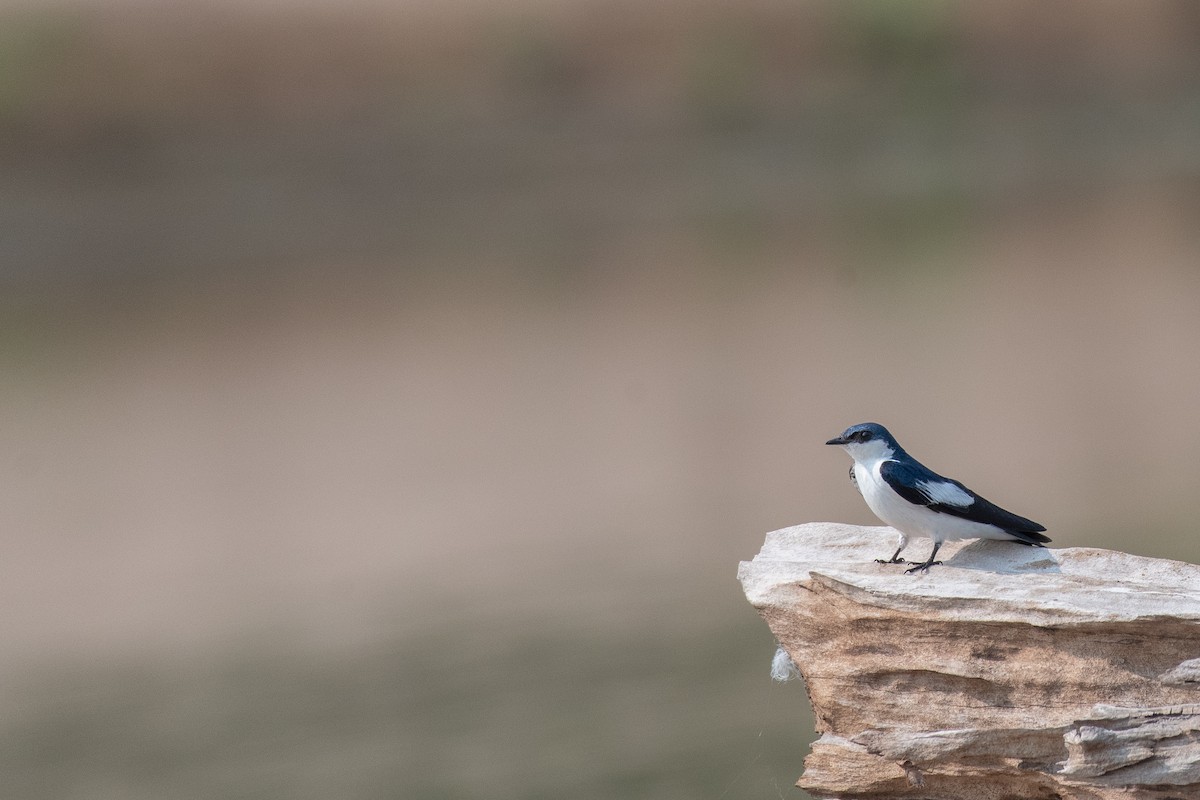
1008	672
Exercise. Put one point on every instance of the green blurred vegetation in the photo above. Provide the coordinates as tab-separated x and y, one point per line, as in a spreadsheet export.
538	712
168	146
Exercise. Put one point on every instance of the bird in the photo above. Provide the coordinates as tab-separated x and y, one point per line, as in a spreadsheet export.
917	501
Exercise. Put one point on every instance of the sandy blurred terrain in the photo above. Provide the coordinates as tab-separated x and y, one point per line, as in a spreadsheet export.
312	455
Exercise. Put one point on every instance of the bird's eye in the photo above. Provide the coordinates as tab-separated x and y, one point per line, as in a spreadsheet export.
862	436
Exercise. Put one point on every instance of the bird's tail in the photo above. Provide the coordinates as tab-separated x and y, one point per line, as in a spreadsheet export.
1031	538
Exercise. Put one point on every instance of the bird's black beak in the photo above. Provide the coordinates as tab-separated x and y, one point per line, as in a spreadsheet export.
836	440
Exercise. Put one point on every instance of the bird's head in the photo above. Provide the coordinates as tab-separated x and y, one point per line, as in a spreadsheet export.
867	441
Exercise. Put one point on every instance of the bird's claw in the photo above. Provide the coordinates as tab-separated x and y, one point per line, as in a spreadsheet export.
923	567
890	561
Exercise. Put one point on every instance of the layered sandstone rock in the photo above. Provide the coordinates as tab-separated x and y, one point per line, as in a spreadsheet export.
1008	672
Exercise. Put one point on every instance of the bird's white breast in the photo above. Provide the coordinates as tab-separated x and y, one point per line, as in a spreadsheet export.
883	502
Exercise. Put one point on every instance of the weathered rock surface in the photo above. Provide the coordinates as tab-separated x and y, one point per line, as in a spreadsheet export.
1009	672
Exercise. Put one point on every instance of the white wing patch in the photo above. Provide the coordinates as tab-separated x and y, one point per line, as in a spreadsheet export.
945	493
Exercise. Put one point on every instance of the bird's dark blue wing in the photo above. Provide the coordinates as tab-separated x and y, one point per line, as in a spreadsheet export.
912	481
904	480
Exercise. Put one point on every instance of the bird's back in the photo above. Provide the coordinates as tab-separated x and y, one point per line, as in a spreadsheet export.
980	509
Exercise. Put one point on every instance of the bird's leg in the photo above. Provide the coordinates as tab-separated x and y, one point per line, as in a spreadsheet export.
895	559
924	567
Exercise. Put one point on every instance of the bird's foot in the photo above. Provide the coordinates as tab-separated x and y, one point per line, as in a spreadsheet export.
892	560
923	567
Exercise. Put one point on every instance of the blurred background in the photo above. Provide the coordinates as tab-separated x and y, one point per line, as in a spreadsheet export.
390	390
